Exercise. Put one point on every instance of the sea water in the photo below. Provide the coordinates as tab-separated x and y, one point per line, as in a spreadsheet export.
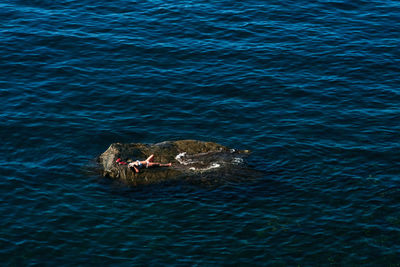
310	87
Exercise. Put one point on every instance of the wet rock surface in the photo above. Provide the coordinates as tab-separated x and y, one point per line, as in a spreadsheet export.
192	160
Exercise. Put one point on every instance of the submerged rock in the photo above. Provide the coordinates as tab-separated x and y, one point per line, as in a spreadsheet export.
193	160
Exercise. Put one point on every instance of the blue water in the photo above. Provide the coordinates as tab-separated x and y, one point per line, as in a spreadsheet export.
311	87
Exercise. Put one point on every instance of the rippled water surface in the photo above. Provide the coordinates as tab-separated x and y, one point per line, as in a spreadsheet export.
311	87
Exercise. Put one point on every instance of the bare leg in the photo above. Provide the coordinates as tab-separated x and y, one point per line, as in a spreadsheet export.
151	158
166	165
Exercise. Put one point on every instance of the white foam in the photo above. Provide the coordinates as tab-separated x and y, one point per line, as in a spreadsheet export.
212	166
179	158
237	160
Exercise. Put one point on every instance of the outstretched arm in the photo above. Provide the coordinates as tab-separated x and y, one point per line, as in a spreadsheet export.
132	165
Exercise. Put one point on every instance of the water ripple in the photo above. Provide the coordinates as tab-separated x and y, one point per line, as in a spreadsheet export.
310	88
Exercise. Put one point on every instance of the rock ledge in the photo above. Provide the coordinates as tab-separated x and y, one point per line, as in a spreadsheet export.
191	159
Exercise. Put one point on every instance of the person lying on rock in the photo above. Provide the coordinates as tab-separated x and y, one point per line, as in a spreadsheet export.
137	165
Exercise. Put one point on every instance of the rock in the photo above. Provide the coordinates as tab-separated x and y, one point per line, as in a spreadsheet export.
192	160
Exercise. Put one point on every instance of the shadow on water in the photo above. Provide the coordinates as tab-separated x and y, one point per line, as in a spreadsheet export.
239	182
223	185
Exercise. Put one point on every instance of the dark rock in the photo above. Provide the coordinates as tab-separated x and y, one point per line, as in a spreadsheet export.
193	160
